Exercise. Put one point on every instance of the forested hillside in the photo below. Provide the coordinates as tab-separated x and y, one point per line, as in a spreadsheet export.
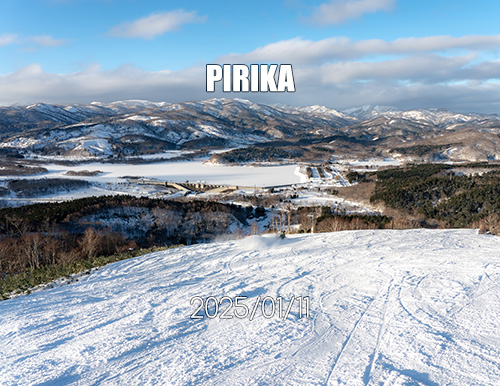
438	192
45	241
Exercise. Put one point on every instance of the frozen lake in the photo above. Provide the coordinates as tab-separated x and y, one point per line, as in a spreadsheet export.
189	170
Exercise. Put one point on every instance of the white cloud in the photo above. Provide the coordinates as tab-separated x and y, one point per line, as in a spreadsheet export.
32	84
7	39
31	41
340	11
436	71
155	24
423	69
300	51
46	41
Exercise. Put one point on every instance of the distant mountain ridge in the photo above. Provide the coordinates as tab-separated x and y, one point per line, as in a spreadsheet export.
136	127
435	116
368	111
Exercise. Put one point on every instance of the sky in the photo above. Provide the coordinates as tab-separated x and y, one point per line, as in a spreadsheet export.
344	53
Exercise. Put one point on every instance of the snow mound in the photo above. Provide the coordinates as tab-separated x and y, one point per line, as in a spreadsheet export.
416	307
256	243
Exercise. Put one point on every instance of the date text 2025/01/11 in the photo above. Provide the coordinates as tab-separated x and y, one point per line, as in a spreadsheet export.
236	307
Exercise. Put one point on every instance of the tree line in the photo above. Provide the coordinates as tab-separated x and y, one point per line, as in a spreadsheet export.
437	192
51	237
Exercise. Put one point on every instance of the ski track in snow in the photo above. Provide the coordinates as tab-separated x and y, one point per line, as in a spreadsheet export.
415	307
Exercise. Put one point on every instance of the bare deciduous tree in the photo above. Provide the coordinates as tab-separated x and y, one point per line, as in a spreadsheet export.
492	223
89	243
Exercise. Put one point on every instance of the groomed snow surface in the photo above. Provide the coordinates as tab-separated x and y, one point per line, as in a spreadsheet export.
415	307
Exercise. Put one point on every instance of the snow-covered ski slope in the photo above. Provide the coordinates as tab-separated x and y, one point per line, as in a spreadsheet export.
415	307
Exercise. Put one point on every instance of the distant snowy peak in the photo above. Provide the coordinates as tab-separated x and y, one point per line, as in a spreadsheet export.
318	109
368	112
129	106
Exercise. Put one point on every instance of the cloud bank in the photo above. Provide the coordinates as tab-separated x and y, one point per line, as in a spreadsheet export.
303	51
458	73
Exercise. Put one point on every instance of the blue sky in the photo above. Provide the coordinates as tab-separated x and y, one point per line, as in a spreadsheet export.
344	52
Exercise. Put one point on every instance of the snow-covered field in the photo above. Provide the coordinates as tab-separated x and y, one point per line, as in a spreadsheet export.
374	163
415	307
371	164
187	170
111	179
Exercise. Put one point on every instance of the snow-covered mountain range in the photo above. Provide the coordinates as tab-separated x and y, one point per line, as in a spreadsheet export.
141	127
434	116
